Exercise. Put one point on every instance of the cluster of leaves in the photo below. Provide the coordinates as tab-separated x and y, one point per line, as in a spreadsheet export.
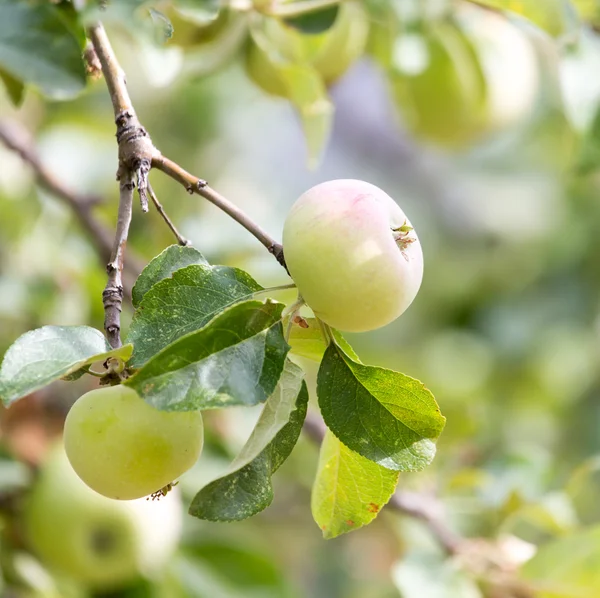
201	339
288	51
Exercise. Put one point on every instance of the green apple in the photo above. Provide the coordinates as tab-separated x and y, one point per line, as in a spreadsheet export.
124	448
454	80
276	45
353	254
96	541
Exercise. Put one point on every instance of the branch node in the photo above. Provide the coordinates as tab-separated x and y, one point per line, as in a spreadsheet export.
142	168
201	183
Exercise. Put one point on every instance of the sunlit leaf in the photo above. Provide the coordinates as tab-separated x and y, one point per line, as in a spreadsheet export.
42	356
385	416
349	490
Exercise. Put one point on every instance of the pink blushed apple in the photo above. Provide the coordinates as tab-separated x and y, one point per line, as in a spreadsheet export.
353	254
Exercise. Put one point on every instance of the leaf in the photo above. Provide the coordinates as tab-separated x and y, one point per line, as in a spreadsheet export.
183	303
309	342
236	359
37	46
423	574
300	83
385	416
247	489
200	12
568	567
349	490
313	22
173	258
14	88
42	356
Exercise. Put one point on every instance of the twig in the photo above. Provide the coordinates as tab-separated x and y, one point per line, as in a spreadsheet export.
420	506
180	238
17	139
138	154
113	292
195	185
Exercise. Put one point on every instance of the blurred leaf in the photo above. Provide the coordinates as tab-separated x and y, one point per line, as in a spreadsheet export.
183	303
14	87
556	17
37	46
243	567
297	80
236	359
316	21
349	490
418	575
162	24
247	490
42	356
200	12
162	266
309	342
568	567
383	415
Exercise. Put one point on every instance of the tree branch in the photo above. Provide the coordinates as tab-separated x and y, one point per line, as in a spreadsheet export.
195	185
113	292
138	154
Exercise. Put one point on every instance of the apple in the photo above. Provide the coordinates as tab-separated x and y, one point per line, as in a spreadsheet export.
96	541
124	448
454	81
277	45
353	254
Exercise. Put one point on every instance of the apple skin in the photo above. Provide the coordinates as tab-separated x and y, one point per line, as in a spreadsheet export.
124	448
340	249
96	541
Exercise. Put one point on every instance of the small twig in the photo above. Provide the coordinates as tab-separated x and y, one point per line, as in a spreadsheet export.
195	185
180	238
113	292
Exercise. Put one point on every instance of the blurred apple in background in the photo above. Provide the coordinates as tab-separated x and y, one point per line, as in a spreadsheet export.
99	542
457	79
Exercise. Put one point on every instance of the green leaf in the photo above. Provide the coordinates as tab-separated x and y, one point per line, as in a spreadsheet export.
313	22
37	46
14	87
567	568
236	359
310	343
349	490
385	416
42	356
247	489
183	303
173	258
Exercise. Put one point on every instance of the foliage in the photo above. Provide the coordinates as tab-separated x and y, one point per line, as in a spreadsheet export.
503	332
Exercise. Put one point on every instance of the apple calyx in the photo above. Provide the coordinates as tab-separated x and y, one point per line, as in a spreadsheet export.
403	238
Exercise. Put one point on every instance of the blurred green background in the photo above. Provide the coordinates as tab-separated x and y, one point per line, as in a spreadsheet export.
505	330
